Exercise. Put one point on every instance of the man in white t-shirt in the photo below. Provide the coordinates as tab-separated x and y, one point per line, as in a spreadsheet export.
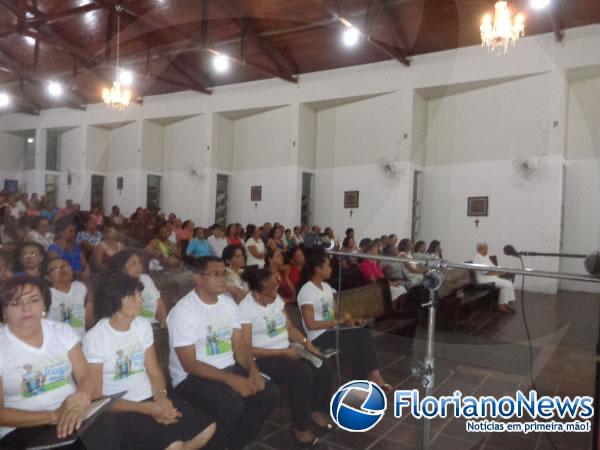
205	343
507	290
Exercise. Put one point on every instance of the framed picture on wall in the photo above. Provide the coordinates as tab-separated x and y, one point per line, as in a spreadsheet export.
477	206
351	199
119	183
11	186
256	193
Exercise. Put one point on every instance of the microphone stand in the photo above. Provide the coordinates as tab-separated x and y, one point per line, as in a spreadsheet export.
432	281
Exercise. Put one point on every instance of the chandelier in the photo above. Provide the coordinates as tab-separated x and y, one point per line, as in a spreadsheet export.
117	96
502	31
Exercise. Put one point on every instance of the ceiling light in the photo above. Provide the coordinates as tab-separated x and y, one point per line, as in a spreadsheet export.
501	30
539	4
30	40
55	89
221	63
30	140
351	36
118	97
125	77
4	99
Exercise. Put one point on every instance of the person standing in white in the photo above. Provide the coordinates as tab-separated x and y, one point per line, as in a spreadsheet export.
507	290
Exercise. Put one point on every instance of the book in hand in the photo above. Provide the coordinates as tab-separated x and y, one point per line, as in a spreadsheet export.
329	352
315	360
363	324
47	438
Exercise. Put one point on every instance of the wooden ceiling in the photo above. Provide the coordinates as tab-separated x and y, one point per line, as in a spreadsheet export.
169	44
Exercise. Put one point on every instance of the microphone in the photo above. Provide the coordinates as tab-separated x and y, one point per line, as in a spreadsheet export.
511	251
592	264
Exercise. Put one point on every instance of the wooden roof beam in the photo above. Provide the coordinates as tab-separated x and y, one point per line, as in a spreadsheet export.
388	49
285	68
155	24
559	34
197	80
11	63
399	40
57	16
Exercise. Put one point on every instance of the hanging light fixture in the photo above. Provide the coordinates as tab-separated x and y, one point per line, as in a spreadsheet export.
117	96
502	30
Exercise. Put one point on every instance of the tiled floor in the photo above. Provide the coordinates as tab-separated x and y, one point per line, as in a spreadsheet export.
487	355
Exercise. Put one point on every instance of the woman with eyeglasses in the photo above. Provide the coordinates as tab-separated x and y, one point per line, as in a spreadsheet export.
30	259
120	350
274	342
44	378
68	298
130	263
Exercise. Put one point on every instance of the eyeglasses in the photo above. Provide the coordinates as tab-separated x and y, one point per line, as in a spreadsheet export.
222	274
31	255
32	302
57	268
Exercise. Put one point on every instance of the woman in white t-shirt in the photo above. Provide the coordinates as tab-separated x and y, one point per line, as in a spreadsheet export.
130	263
68	298
44	377
319	311
266	325
120	350
255	247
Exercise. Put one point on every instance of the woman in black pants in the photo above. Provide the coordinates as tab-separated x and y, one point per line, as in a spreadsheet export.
319	318
277	347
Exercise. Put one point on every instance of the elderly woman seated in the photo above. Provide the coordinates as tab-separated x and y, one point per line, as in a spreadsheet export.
120	349
45	379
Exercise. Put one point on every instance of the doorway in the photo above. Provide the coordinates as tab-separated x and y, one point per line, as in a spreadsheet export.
222	197
153	192
306	207
417	203
97	191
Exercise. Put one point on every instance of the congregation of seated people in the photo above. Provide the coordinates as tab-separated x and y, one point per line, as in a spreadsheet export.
78	291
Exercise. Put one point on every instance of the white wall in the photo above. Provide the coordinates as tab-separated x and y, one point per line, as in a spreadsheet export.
263	156
186	195
11	157
124	160
223	143
152	147
307	139
350	139
263	140
472	139
581	233
72	159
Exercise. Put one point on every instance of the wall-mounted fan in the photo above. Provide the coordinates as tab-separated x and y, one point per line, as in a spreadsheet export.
389	169
199	174
527	169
